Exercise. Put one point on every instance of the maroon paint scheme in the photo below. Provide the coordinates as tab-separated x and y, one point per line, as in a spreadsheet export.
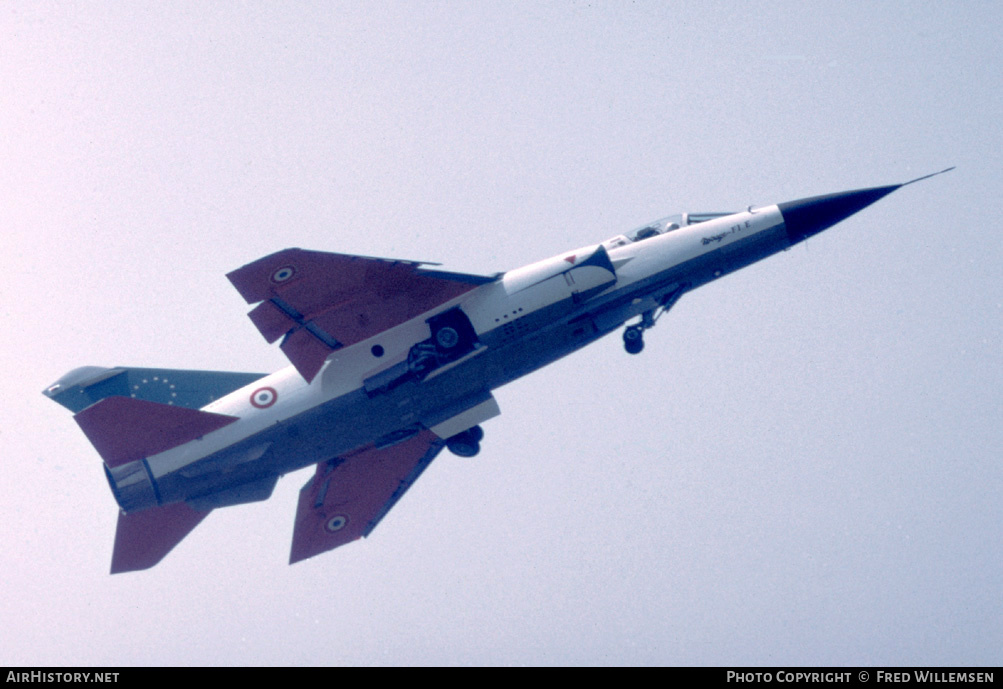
142	539
321	301
348	495
124	430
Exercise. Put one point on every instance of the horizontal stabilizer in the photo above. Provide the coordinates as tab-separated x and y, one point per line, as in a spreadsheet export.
142	539
123	429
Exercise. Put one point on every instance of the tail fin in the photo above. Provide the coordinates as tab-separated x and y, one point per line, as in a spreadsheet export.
123	429
144	538
129	414
82	387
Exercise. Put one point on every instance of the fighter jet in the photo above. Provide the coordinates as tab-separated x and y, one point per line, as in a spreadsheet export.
392	361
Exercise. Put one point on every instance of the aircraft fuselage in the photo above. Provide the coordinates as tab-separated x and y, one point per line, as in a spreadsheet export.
522	322
392	362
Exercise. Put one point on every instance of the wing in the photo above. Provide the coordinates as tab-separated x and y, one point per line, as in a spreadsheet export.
319	302
348	496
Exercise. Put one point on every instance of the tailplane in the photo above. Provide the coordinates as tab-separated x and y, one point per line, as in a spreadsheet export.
125	430
143	539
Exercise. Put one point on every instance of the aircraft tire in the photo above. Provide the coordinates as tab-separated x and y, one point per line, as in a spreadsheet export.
464	448
467	443
447	338
633	340
634	347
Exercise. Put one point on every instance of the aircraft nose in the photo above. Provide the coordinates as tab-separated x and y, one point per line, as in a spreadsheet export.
806	217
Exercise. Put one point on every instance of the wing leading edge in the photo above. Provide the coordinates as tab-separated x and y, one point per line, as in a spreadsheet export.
319	302
348	496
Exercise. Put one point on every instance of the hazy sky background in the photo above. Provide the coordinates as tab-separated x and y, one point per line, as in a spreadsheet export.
804	465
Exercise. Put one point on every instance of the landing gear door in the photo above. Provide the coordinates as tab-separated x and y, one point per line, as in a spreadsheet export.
463	415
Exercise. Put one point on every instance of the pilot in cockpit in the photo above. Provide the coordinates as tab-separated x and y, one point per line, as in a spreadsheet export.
653	231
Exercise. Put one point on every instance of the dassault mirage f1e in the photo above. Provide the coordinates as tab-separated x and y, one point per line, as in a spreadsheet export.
392	361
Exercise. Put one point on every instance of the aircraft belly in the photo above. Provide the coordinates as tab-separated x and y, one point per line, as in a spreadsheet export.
515	356
242	493
358	419
332	429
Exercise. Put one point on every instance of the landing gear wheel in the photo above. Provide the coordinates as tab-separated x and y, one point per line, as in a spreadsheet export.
463	448
447	338
633	339
467	443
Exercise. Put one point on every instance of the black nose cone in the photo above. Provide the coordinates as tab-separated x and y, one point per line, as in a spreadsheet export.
806	217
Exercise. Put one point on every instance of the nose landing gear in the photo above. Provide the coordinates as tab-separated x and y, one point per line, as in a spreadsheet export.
633	339
633	336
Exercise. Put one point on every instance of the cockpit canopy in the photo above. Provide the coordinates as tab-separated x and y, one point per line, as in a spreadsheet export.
668	224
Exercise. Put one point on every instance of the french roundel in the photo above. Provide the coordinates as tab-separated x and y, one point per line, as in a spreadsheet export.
263	398
282	274
336	523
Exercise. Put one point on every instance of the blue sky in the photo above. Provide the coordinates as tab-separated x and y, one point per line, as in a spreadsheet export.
803	467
